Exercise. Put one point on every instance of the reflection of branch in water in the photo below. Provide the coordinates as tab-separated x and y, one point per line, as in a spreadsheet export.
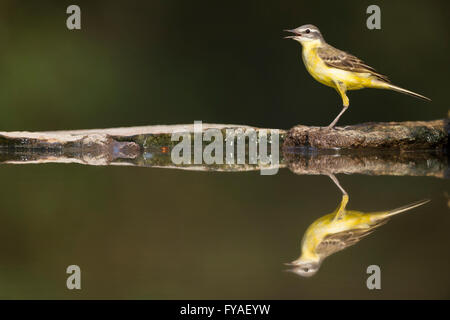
370	162
337	231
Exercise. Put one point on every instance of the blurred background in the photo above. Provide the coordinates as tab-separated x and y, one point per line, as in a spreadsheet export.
154	62
157	234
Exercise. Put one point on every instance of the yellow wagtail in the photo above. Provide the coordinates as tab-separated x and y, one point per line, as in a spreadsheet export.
337	231
338	69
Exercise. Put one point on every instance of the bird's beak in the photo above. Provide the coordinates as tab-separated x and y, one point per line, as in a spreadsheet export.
296	34
289	270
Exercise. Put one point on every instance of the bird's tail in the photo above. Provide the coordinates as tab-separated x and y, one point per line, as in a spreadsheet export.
404	91
410	206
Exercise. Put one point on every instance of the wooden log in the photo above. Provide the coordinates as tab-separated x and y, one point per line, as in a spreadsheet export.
407	148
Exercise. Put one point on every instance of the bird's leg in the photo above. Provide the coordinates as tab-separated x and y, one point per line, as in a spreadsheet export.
336	182
332	124
340	211
341	89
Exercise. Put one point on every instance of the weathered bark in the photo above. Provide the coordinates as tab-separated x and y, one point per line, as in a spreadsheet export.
390	135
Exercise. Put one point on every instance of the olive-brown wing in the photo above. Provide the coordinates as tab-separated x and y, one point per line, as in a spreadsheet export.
342	60
341	240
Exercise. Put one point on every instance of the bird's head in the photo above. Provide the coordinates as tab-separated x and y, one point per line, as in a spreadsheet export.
304	268
305	34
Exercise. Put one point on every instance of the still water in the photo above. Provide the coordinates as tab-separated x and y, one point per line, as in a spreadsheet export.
159	233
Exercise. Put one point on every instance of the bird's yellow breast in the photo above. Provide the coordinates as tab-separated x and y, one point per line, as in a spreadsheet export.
328	75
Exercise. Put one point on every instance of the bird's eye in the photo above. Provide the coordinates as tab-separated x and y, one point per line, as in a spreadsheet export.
307	31
306	269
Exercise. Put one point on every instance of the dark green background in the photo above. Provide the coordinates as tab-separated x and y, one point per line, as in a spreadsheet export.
149	62
154	233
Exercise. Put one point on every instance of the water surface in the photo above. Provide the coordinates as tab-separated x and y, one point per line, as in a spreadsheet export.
140	232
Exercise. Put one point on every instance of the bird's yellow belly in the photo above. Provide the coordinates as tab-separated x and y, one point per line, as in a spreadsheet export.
328	76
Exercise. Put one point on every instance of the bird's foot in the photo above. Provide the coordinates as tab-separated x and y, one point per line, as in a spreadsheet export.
330	128
336	128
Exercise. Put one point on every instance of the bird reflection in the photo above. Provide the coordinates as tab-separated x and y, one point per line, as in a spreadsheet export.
337	231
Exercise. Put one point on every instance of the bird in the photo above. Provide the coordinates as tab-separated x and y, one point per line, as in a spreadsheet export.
338	230
338	69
